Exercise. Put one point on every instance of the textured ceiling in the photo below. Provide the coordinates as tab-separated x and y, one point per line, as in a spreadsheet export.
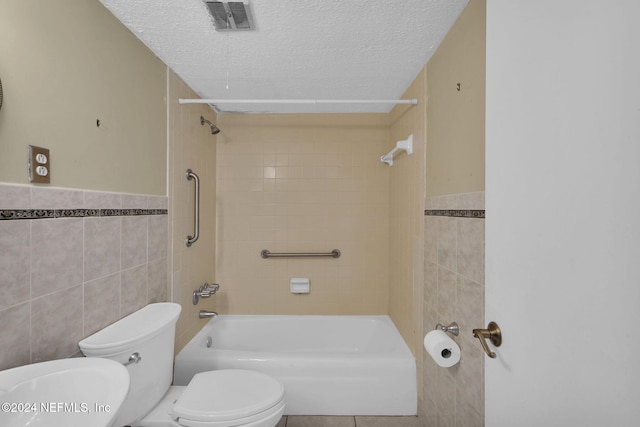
323	49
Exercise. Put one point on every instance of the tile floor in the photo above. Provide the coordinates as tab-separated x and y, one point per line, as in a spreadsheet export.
327	421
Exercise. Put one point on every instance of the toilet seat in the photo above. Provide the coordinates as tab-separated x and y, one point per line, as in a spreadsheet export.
229	397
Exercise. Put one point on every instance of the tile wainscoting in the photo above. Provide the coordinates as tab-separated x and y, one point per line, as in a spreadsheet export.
454	291
71	263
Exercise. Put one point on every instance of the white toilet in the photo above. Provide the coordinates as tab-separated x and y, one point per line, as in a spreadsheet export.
143	342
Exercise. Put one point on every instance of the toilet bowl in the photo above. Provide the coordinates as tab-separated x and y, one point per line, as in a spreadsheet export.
230	397
143	342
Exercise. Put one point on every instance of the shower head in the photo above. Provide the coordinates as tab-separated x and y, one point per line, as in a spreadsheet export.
214	129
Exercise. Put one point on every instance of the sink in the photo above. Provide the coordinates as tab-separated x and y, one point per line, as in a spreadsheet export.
63	393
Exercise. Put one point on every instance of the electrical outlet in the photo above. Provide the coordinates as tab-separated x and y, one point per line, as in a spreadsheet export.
39	165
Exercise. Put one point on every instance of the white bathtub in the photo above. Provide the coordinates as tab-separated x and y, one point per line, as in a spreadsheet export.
329	365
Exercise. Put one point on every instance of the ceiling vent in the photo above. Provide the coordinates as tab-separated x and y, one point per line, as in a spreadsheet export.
231	15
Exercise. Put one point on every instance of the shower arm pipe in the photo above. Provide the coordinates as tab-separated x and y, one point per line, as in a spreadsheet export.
297	101
196	208
406	145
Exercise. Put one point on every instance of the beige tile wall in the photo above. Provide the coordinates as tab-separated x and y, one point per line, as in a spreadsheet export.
191	146
303	183
62	279
454	291
406	210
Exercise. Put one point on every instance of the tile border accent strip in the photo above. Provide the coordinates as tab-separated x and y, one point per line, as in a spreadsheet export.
456	213
15	214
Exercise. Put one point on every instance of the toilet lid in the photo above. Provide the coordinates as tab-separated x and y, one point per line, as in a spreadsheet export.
227	394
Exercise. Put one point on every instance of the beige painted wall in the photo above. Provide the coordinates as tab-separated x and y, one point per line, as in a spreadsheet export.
303	183
66	64
455	132
191	146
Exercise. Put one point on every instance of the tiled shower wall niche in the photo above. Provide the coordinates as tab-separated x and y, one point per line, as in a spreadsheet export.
71	263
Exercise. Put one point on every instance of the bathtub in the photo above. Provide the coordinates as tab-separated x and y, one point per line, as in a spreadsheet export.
329	365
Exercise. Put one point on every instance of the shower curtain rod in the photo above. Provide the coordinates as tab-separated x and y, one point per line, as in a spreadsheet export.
297	101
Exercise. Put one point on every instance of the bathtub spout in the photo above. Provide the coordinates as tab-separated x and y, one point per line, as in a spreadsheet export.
205	314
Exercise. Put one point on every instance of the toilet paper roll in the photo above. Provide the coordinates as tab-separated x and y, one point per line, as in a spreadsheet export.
442	348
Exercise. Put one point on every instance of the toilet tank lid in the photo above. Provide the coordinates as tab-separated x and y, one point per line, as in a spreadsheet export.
134	328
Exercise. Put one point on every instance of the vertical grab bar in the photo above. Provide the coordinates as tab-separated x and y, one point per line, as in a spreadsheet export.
196	216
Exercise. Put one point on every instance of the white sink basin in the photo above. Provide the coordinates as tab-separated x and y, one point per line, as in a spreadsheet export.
63	393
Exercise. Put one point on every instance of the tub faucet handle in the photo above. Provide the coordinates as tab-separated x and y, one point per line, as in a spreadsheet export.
205	291
212	288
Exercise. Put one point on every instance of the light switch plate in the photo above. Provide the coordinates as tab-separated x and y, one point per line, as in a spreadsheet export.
39	165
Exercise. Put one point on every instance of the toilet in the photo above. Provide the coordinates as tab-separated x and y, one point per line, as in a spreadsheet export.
143	342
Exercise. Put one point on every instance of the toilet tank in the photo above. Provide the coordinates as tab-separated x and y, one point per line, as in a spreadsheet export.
149	332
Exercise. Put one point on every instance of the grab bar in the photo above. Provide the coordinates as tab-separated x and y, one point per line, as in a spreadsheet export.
196	216
267	254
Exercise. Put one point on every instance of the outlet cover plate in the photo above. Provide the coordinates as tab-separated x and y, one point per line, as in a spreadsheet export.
39	165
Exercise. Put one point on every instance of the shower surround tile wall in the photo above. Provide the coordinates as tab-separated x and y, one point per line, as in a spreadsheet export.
191	146
99	257
406	208
303	183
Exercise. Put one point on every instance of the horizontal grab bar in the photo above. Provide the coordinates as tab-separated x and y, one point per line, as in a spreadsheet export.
267	254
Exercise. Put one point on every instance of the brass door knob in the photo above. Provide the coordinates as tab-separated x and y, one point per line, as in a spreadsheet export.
492	333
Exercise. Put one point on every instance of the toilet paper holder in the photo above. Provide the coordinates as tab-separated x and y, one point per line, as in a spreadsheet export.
453	328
